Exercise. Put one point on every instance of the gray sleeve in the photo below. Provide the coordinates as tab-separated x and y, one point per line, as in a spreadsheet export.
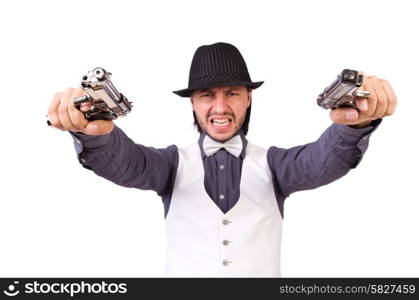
117	158
338	150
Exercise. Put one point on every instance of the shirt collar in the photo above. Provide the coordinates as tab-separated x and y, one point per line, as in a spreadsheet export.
240	133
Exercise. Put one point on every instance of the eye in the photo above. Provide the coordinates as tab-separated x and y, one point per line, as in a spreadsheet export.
204	95
233	94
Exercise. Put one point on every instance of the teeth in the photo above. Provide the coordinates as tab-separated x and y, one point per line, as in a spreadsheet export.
220	122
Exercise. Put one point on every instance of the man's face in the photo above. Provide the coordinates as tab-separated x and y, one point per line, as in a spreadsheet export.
221	111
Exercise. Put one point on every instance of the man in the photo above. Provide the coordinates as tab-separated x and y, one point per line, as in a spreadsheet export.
223	196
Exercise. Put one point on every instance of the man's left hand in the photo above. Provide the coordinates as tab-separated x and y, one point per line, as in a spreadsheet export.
381	103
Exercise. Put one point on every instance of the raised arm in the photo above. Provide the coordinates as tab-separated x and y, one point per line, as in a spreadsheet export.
117	158
341	146
338	150
105	149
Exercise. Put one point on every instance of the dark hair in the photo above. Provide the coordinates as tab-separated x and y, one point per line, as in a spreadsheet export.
245	125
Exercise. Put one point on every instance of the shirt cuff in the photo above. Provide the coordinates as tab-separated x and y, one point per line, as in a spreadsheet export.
355	136
83	141
359	137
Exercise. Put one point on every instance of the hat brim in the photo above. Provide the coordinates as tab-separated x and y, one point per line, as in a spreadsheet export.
187	92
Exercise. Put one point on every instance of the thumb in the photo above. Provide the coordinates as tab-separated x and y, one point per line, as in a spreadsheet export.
346	116
98	127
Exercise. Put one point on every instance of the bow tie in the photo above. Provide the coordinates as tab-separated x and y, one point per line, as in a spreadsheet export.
233	145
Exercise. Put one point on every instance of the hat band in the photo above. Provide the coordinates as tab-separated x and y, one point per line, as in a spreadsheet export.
219	78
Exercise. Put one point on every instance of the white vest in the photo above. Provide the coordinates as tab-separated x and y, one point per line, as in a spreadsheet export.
202	241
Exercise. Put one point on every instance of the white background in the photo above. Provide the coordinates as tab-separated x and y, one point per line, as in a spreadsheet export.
59	219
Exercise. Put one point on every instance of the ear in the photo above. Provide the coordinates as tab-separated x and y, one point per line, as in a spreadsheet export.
249	97
193	107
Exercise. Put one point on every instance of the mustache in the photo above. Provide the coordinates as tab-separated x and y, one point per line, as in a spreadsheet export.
221	115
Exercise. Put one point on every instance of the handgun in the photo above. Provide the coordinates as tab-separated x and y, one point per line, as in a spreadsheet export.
342	91
107	102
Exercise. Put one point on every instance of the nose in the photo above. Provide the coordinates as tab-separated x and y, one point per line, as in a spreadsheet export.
220	104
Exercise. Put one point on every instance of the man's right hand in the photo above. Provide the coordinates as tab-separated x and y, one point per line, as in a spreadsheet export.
63	114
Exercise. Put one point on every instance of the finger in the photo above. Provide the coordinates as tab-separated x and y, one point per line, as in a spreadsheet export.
85	106
362	104
76	116
344	115
53	111
63	112
372	99
382	101
99	127
392	99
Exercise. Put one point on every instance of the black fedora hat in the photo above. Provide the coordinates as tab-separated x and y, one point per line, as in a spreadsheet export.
219	64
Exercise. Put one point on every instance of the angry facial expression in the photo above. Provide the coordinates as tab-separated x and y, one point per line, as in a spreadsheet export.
221	111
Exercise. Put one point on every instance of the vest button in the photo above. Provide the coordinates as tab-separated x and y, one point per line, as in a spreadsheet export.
225	222
221	196
225	242
221	167
226	262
